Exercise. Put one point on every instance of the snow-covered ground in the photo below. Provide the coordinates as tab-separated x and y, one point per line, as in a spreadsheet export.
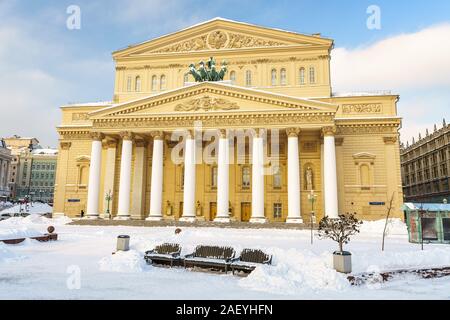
80	265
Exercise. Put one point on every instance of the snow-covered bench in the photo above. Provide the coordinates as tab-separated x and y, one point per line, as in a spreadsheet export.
166	253
249	260
211	257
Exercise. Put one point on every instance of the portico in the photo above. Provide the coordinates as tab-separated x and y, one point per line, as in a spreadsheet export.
218	158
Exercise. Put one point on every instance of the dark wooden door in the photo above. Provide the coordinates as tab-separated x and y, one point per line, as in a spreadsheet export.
212	210
246	211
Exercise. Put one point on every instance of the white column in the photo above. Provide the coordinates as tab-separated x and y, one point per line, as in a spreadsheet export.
157	178
92	211
330	175
223	181
294	195
123	211
258	179
189	181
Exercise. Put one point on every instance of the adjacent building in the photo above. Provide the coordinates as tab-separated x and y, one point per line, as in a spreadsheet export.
425	166
251	147
32	169
5	162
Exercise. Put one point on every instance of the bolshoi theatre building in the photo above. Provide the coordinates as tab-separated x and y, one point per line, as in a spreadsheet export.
228	121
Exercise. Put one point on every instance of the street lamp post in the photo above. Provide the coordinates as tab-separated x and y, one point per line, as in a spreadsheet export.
312	197
108	198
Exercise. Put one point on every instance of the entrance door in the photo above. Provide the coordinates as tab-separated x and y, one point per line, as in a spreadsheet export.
181	210
212	210
246	211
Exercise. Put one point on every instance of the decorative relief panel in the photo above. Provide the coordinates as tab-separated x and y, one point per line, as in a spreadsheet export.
206	103
80	116
362	108
217	40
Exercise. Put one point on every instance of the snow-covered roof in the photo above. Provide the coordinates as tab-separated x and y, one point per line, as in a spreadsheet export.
426	206
45	151
88	104
363	93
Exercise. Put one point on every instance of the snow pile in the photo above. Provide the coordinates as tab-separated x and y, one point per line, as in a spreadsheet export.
19	233
296	271
394	227
36	219
393	260
123	261
39	208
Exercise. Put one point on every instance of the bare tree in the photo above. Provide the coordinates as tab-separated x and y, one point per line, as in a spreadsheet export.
339	229
387	219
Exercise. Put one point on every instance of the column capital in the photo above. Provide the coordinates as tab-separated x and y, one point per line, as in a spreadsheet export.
292	132
157	135
97	136
390	140
339	141
223	133
110	143
65	145
126	135
259	132
140	143
329	131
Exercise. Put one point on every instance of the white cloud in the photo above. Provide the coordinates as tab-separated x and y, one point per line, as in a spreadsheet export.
405	61
416	66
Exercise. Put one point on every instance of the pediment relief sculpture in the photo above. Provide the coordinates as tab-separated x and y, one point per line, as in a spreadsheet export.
206	103
217	40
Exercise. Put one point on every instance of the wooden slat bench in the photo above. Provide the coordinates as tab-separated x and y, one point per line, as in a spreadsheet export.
165	254
249	260
210	257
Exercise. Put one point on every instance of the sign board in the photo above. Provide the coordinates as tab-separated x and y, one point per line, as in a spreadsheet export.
377	203
73	200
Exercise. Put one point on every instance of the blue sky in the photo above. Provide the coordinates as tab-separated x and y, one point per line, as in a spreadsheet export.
44	65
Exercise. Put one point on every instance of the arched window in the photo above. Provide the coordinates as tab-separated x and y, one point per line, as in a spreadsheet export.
129	83
312	75
248	78
283	79
246	177
137	84
365	175
162	83
154	83
301	76
273	77
233	77
185	79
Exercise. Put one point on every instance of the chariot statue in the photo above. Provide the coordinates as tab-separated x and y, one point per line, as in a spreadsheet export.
208	71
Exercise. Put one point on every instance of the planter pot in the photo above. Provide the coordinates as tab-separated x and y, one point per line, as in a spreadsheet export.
342	261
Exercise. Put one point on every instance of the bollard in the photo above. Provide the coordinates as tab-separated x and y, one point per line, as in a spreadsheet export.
123	243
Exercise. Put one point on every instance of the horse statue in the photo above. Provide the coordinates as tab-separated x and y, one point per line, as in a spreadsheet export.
208	71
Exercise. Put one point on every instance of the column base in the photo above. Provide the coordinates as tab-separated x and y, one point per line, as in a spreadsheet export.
91	217
122	218
188	219
222	219
258	220
154	218
294	220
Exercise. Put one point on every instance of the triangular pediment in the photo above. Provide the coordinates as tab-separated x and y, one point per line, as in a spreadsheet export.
212	97
221	34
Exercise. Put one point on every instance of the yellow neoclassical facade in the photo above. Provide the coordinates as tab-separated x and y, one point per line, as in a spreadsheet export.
249	148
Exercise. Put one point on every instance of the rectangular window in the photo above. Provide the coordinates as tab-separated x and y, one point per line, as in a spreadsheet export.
214	177
246	178
277	209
